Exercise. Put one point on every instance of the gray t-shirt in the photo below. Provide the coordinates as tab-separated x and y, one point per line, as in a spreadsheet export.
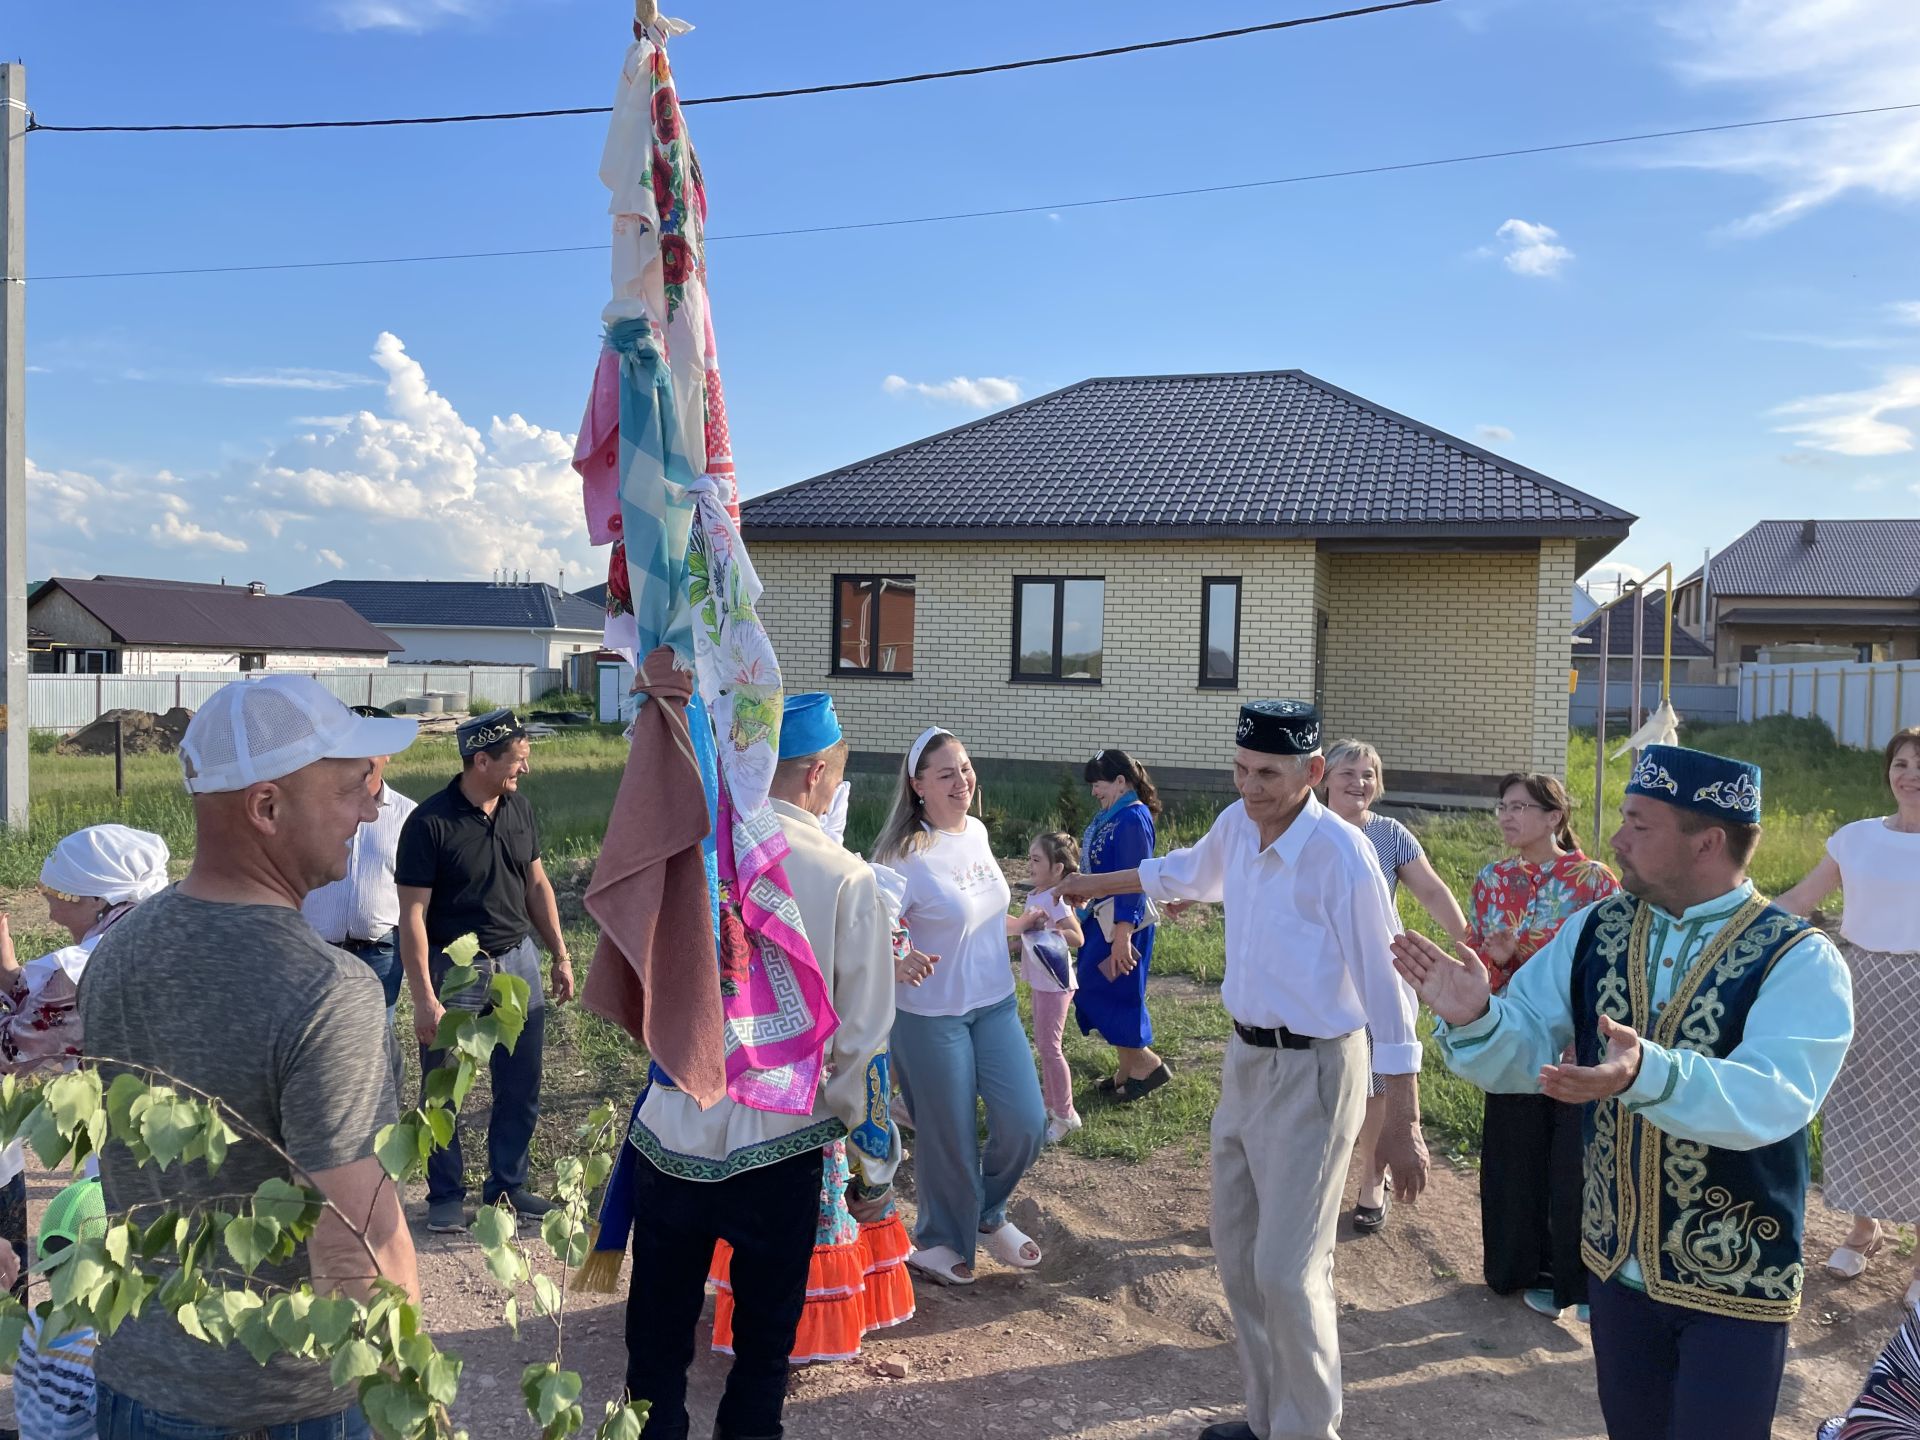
247	1003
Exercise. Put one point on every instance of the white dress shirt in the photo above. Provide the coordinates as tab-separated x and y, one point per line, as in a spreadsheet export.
1309	928
365	905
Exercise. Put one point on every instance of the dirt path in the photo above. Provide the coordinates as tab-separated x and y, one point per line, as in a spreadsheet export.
1123	1333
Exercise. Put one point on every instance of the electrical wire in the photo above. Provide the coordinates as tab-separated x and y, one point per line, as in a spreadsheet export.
1002	67
1405	165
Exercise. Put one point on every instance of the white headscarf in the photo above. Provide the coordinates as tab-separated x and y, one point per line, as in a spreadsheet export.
108	862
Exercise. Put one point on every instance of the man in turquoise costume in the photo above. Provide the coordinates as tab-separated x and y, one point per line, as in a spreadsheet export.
1706	1026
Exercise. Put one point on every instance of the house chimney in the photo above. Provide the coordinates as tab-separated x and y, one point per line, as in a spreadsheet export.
256	587
1809	531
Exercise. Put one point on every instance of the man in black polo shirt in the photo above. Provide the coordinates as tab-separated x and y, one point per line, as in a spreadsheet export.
469	864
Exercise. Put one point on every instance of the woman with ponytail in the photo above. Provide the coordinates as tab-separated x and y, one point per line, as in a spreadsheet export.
1530	1148
1118	951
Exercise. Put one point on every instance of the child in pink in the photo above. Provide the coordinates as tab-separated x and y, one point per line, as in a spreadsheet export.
1049	934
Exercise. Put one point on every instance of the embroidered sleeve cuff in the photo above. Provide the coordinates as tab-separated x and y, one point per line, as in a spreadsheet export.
1461	1038
1656	1081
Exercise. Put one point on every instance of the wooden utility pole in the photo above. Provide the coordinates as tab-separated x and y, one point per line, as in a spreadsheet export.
13	443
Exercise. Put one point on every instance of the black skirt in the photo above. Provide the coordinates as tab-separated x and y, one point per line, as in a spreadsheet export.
1530	1184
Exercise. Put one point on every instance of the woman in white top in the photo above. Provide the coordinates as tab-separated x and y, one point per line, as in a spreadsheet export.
957	1037
1870	1128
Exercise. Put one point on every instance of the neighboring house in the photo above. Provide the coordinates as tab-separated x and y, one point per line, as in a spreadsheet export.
474	622
1125	561
1583	603
118	625
1692	660
1809	590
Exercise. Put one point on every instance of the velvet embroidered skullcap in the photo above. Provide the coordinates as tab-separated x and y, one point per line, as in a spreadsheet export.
1279	727
1715	785
808	725
488	729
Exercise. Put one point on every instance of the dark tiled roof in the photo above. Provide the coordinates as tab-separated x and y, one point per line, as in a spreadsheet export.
594	595
1276	453
1653	633
1848	560
464	602
220	617
1840	617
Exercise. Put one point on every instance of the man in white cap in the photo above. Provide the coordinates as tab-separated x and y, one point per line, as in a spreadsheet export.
221	984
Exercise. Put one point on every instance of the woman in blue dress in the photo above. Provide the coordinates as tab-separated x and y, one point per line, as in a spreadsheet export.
1112	999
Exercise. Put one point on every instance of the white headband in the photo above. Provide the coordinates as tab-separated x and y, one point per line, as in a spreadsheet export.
927	737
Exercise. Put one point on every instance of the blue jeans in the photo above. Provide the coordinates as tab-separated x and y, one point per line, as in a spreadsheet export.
383	958
946	1064
516	1100
118	1418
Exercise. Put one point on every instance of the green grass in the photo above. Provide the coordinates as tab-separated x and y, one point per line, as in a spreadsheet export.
1812	787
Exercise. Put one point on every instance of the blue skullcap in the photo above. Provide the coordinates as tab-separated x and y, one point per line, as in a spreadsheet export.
808	725
1715	785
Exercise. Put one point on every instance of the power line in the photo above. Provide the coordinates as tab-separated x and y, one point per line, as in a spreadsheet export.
1000	68
1355	172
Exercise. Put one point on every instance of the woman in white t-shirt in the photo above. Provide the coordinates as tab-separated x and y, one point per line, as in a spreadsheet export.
1870	1126
957	1037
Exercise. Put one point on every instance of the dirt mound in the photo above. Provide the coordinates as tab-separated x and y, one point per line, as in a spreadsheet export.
146	733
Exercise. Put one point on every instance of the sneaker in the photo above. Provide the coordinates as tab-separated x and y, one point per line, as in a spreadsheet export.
525	1204
447	1217
1061	1126
1541	1303
1583	1313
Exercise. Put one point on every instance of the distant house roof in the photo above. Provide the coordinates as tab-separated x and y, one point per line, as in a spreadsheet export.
190	616
594	595
1822	560
464	604
1653	632
1837	617
1276	454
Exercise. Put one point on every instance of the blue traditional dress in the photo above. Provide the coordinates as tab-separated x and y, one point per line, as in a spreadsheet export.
1120	837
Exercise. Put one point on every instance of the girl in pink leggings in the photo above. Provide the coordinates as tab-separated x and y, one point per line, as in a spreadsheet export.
1049	934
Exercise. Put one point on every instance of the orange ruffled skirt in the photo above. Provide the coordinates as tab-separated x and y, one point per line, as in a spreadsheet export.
853	1289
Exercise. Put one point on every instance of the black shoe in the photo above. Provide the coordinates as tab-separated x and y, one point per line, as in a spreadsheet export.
1141	1086
525	1204
1369	1219
1229	1430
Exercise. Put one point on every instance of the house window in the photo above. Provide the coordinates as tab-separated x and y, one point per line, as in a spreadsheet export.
873	625
1220	632
1749	654
253	661
1058	625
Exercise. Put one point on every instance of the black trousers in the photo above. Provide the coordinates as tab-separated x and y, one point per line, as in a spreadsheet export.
1668	1373
1530	1182
770	1217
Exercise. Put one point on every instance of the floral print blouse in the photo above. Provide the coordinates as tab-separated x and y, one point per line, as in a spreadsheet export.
1518	907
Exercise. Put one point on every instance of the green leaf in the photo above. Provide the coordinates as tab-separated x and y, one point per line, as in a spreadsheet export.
566	1237
460	977
510	1312
118	1243
126	1088
546	1296
440	1124
623	1422
493	1227
187	1317
354	1361
398	1148
554	1395
462	951
599	1167
330	1317
395	1407
73	1098
286	1204
13	1319
43	1137
440	1378
250	1239
168	1125
218	1137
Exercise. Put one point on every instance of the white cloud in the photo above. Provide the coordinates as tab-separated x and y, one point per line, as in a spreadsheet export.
1853	422
1493	434
296	379
410	15
172	530
1907	312
989	392
407	489
1605	580
1807	57
1532	249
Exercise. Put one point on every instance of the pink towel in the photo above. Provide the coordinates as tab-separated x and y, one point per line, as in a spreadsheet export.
596	454
656	973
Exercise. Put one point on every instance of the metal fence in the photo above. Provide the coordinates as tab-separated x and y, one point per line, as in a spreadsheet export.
1696	704
65	703
1862	704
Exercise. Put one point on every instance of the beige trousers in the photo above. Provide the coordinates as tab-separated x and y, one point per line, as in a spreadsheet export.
1282	1134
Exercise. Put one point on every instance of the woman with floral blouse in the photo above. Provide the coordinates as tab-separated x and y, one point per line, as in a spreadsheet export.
1530	1162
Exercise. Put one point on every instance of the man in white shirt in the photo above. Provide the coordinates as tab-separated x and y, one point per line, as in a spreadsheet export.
1309	966
361	913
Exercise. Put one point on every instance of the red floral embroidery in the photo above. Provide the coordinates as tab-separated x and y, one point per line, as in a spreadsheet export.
736	958
676	259
619	586
1519	907
662	183
666	116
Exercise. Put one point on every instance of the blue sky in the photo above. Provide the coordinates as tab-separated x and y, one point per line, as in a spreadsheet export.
1705	332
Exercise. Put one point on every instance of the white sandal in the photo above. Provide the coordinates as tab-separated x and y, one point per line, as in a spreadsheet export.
1849	1262
1007	1243
940	1264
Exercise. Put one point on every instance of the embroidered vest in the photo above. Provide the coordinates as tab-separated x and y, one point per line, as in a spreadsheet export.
1714	1230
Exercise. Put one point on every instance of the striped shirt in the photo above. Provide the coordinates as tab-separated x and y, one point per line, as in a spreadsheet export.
53	1388
365	905
1393	846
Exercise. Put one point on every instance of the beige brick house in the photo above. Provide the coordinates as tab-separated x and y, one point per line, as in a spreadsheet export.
1124	561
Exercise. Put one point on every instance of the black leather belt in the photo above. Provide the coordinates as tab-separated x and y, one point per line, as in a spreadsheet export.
1280	1039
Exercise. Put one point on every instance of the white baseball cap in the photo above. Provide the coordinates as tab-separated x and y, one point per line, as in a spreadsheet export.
256	730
